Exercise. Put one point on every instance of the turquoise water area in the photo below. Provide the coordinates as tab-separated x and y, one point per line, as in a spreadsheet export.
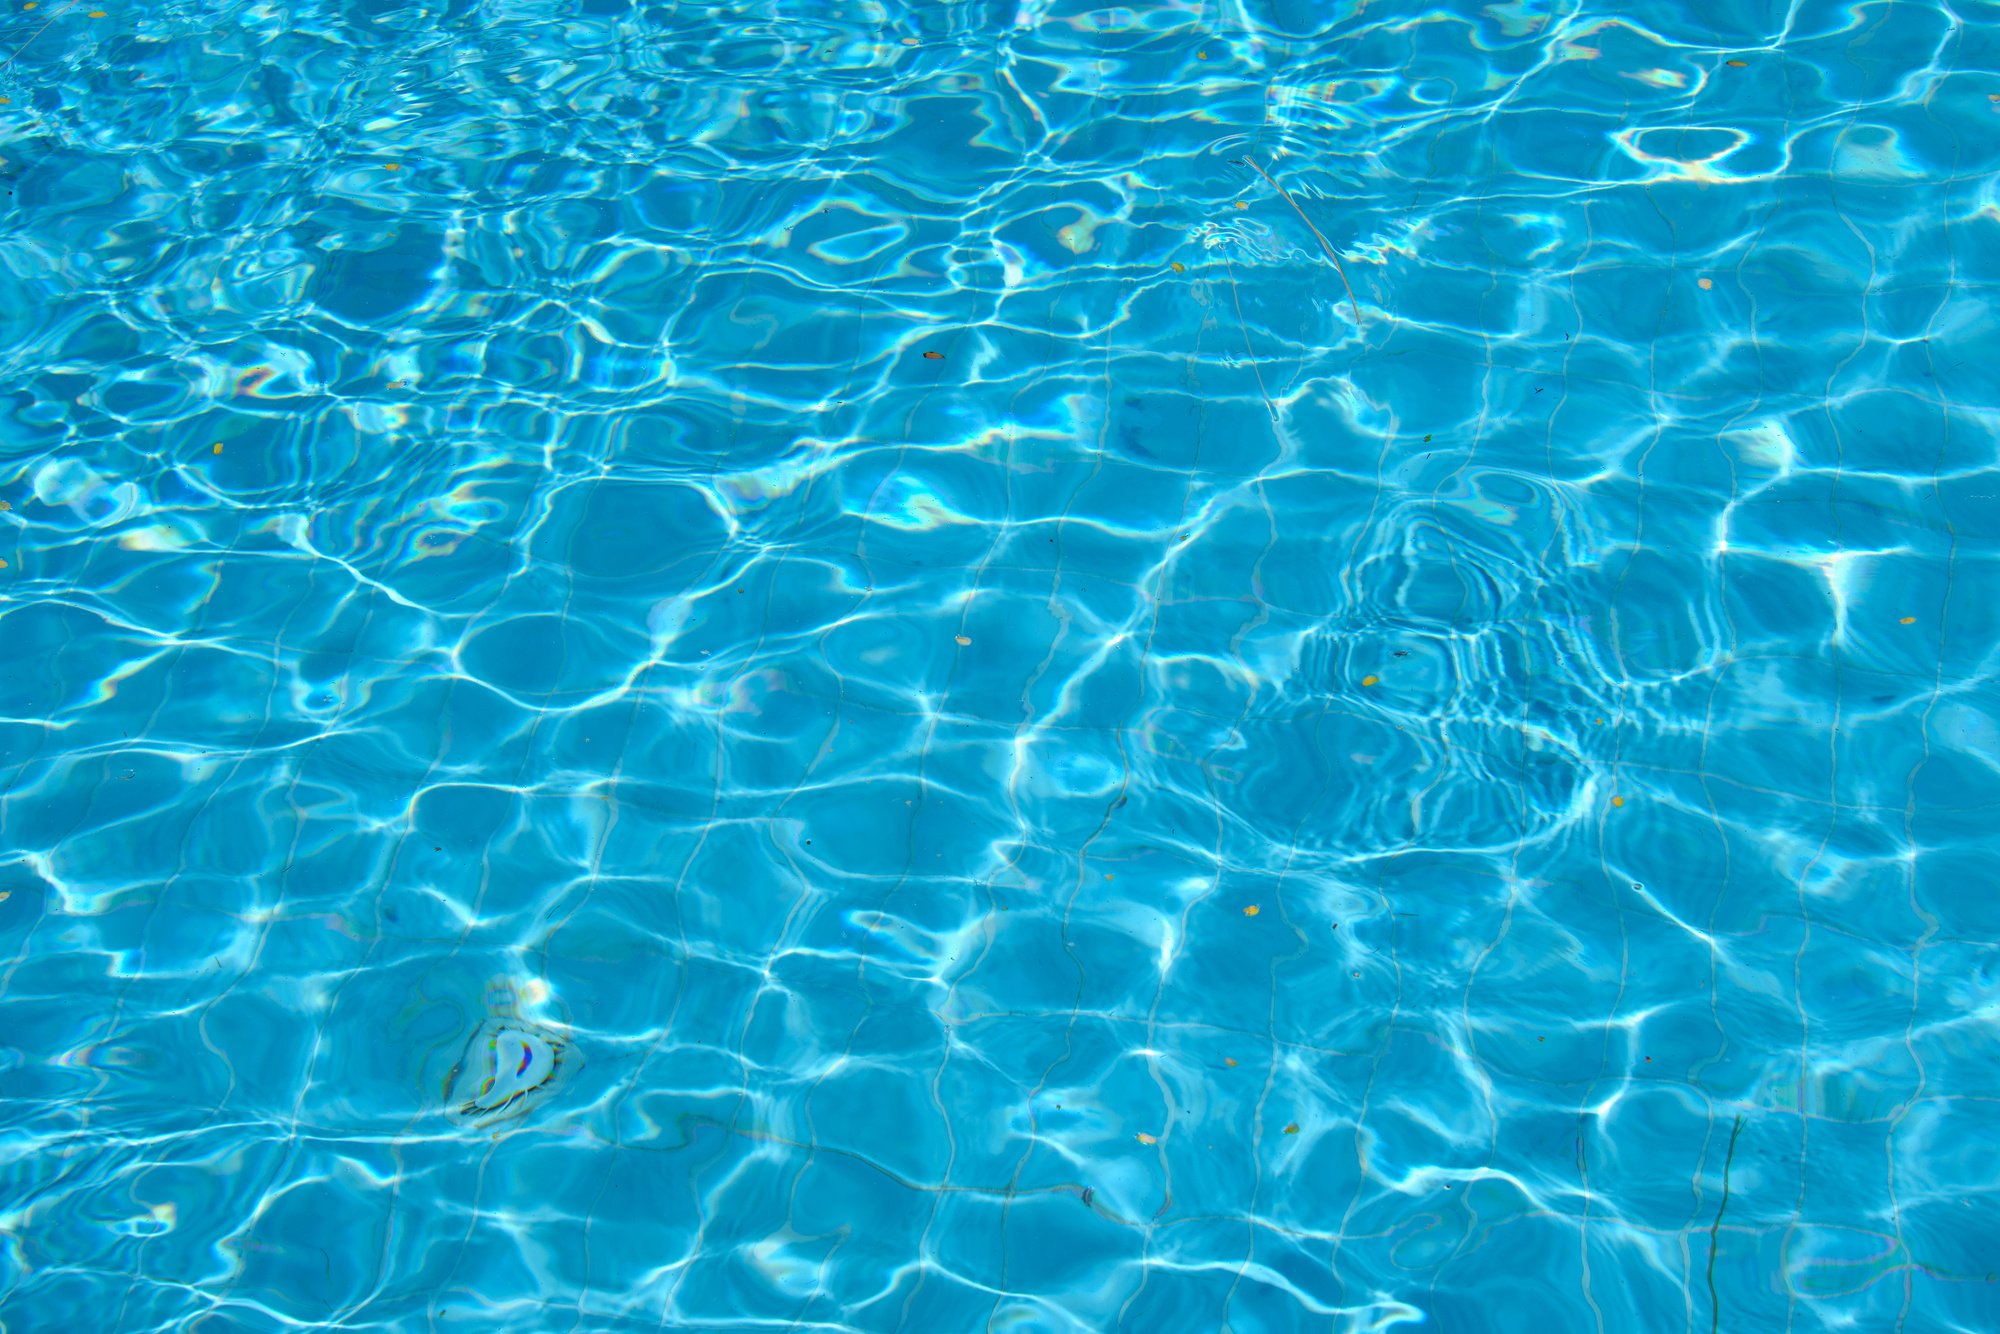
1234	665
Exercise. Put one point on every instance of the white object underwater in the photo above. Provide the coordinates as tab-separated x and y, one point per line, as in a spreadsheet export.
510	1066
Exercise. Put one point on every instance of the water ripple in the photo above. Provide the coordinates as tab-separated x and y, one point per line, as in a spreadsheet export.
767	668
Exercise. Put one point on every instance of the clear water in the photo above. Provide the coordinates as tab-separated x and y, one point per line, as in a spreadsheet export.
562	772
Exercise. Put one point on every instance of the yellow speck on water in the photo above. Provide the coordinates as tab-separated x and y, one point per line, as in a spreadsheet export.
1179	267
29	5
1252	910
5	100
1737	64
961	640
1370	680
1243	203
1144	1138
392	166
1292	1129
4	507
1618	801
1199	55
1705	284
218	446
1229	1060
1907	620
3	564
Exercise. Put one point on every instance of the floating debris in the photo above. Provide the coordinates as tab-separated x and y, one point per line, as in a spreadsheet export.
963	641
1323	245
933	356
1144	1138
509	1067
1252	910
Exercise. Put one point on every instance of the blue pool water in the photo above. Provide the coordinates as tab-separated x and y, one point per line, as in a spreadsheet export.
802	666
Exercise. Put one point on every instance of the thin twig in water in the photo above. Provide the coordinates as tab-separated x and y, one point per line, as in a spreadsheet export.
1255	365
37	33
1715	1305
1323	245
